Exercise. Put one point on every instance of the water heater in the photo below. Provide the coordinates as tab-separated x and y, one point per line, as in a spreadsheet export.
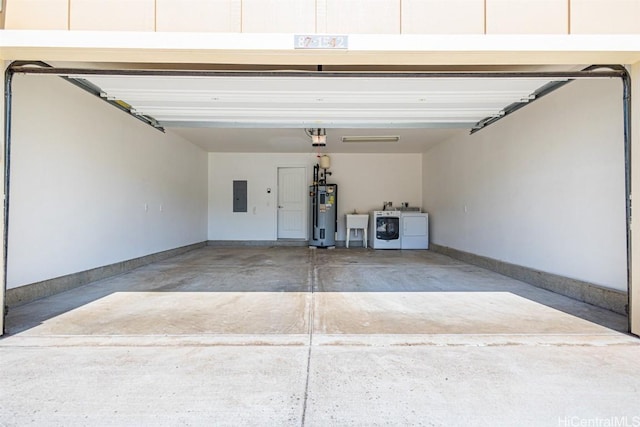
324	199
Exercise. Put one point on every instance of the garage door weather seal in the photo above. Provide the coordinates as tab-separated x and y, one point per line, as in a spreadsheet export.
592	72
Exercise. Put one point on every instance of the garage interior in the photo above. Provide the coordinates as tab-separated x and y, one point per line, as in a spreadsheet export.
506	194
124	236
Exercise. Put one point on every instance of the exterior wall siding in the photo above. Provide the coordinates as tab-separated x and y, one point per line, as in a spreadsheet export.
330	16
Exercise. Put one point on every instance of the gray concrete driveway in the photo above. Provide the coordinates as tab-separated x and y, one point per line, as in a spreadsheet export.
292	336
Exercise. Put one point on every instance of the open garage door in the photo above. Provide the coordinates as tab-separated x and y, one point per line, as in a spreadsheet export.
316	99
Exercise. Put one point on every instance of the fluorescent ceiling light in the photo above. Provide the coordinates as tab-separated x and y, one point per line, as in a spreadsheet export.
372	138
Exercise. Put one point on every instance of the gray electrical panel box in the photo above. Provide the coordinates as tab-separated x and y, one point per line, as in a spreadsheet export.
239	196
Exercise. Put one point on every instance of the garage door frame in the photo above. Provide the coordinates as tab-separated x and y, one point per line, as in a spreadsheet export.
593	72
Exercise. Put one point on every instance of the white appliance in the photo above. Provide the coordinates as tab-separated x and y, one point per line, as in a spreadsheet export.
385	230
414	228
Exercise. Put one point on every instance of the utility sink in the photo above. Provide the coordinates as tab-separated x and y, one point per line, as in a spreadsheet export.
357	221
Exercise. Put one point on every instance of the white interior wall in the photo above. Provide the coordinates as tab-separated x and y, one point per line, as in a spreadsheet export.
364	182
260	172
542	188
91	186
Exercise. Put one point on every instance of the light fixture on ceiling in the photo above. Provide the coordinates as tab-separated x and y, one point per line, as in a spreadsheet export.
318	137
372	138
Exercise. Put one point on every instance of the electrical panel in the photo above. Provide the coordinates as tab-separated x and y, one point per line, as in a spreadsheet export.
239	196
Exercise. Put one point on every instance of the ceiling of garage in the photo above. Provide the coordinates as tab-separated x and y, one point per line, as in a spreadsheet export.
245	140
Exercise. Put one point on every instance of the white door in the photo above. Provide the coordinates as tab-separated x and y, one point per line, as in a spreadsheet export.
292	203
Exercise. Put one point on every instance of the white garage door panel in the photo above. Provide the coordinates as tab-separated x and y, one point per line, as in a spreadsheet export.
309	101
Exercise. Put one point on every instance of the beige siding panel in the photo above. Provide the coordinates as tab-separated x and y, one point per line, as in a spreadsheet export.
37	15
198	15
527	17
278	16
605	16
113	15
442	16
359	16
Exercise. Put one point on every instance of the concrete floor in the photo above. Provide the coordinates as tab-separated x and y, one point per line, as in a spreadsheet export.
292	336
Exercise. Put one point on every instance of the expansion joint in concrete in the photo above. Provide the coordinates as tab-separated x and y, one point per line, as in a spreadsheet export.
312	280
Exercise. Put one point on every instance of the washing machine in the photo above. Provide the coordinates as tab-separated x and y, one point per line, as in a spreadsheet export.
385	230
